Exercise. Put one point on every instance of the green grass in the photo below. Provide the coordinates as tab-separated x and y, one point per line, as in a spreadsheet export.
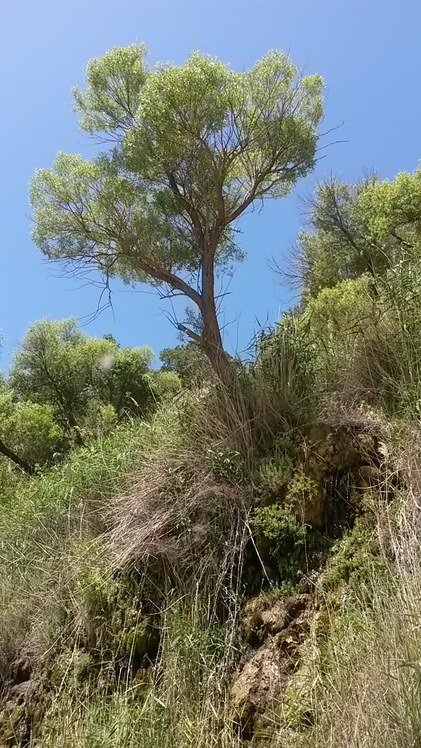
181	701
136	544
360	681
52	529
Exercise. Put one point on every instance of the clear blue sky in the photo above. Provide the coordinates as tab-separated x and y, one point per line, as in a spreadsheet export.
368	52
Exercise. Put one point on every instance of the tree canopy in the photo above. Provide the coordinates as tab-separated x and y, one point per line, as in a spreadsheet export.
65	387
190	148
59	365
356	228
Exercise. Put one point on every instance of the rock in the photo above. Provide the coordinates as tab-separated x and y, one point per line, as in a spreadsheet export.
329	453
282	625
257	689
22	669
265	615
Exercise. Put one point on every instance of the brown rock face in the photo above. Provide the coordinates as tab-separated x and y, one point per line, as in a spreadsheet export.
329	453
257	689
282	626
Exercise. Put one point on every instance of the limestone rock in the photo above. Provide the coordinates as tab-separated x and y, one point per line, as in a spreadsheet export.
258	688
282	625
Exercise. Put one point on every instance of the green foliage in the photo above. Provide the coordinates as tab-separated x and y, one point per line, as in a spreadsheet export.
275	472
193	147
54	567
363	685
89	383
164	385
114	84
176	703
356	341
140	535
216	100
284	371
282	540
337	248
188	361
30	429
226	463
355	558
393	212
337	321
302	490
364	228
277	522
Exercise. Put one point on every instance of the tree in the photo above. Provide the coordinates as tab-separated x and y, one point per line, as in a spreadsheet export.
30	431
192	147
77	376
5	405
362	228
188	361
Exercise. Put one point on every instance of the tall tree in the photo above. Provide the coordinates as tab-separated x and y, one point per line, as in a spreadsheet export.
191	148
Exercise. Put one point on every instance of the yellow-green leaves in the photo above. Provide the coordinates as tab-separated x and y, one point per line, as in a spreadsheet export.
367	227
101	213
194	146
214	130
393	206
111	98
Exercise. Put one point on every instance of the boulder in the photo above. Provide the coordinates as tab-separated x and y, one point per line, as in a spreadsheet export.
282	626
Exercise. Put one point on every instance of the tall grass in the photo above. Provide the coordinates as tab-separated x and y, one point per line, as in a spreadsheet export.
121	570
360	685
179	702
51	527
138	538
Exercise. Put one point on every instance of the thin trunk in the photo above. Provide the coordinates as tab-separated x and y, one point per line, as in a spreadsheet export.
74	428
26	466
212	333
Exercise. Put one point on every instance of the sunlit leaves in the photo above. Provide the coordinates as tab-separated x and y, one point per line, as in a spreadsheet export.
98	213
110	100
77	376
195	146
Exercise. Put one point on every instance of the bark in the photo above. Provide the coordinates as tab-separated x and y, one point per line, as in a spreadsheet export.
212	334
207	242
25	466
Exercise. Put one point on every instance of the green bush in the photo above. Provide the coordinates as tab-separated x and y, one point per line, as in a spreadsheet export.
282	540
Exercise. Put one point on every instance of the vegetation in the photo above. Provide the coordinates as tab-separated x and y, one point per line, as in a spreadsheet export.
193	147
194	559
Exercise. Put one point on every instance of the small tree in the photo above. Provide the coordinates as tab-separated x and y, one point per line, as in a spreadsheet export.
76	375
29	430
188	362
364	228
191	148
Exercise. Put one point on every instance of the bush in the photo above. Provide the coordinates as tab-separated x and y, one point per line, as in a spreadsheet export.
282	540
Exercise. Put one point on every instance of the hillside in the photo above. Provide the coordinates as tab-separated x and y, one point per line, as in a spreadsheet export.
235	563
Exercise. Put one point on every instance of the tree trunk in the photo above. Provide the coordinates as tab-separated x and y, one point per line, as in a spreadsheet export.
212	333
26	466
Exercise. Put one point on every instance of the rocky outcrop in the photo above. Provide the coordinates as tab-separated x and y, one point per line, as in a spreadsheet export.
336	468
274	630
342	464
15	724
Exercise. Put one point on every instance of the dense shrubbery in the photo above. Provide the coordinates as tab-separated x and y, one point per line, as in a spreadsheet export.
65	388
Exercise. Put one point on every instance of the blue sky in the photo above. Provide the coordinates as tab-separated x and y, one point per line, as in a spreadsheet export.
368	52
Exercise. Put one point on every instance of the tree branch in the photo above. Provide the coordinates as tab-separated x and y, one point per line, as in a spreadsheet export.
25	466
166	276
193	335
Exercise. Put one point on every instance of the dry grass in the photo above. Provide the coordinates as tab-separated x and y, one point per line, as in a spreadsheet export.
360	685
175	518
181	701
